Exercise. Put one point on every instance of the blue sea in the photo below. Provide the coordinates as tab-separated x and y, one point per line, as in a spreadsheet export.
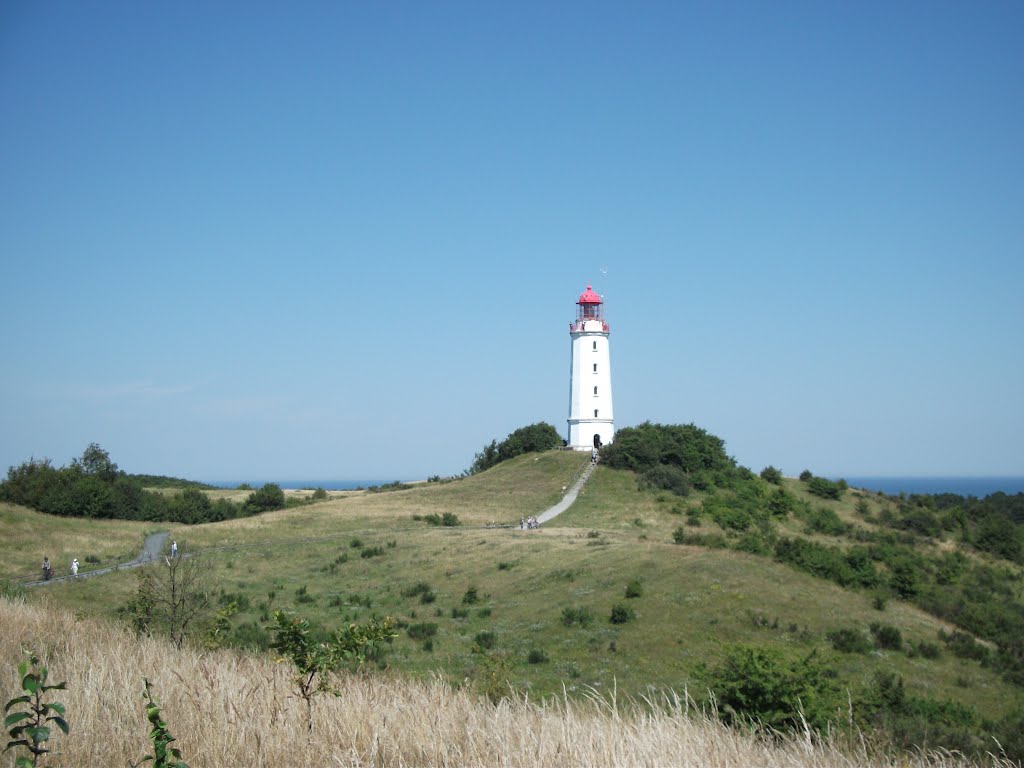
962	486
327	485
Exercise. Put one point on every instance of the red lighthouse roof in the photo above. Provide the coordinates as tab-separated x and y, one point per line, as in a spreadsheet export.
589	297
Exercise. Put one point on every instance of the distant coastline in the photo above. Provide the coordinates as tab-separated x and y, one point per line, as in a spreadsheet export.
327	485
962	486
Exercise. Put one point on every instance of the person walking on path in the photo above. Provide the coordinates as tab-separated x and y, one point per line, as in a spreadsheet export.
47	569
74	568
174	549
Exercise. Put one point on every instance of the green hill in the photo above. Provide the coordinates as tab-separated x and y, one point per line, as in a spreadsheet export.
480	602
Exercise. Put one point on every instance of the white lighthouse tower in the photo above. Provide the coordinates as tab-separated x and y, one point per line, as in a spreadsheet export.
590	376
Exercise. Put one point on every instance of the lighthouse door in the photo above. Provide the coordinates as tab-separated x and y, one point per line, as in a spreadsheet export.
597	442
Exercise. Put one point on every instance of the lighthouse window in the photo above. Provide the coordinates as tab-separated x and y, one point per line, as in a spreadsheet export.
595	413
595	346
595	367
595	390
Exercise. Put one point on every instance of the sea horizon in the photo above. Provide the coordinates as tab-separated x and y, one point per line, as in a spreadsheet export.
962	485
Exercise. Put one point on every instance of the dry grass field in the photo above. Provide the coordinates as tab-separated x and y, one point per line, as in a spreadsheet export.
231	709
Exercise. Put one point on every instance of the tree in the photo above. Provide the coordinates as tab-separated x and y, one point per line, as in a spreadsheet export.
96	461
772	475
269	497
173	594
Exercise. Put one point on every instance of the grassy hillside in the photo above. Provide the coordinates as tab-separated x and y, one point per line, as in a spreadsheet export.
226	708
509	590
26	537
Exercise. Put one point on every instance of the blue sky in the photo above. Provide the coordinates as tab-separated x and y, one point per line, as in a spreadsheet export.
344	240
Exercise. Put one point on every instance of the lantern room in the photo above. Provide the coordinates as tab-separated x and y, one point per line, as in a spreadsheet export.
589	313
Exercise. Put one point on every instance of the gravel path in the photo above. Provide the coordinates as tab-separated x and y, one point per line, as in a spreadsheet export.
568	499
151	549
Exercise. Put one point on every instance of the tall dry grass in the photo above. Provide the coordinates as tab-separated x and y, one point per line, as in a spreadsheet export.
232	709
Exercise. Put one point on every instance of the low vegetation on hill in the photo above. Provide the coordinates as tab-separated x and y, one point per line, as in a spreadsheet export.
794	601
227	708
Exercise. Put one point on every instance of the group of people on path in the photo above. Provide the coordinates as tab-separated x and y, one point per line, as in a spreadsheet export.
528	523
48	569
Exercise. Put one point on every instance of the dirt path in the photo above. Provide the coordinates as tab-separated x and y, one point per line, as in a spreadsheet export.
569	498
151	549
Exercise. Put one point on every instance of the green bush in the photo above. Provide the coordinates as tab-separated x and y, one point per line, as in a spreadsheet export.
582	616
621	614
757	685
485	639
470	596
536	656
963	646
634	588
772	475
849	641
421	630
665	477
887	636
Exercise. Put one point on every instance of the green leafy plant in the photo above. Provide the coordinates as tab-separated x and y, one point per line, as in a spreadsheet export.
28	716
313	660
164	755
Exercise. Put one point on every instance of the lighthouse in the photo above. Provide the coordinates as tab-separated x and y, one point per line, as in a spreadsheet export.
590	376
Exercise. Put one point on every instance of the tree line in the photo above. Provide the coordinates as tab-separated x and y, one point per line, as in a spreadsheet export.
93	486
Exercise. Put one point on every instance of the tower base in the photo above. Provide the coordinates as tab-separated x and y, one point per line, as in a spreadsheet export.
587	434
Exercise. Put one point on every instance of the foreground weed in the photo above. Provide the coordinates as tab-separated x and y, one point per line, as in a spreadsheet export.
164	755
28	715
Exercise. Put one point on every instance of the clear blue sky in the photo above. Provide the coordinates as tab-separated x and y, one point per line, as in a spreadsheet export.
344	240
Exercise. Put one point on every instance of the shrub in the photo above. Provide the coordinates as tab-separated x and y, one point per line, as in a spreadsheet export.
757	684
963	646
927	650
416	589
634	588
772	475
485	639
369	552
422	630
470	596
536	656
319	494
459	613
806	475
825	488
665	477
849	641
887	636
621	614
582	616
